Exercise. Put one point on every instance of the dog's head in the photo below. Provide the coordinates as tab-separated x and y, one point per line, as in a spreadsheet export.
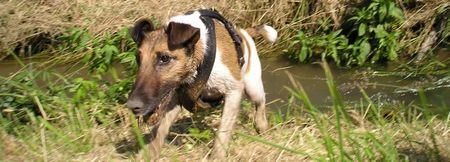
167	58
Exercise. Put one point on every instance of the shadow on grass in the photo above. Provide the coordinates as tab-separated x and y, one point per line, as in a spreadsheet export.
129	146
421	155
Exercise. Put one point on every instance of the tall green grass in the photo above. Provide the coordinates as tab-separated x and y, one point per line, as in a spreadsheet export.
364	131
54	116
52	125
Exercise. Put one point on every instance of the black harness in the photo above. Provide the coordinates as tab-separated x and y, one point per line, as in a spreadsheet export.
189	93
213	14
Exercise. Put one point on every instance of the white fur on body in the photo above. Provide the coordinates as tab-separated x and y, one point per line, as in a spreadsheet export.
222	80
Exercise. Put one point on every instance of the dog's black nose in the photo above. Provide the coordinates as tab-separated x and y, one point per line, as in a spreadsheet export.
135	105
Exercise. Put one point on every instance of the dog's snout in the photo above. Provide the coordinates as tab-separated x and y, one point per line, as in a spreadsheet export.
135	105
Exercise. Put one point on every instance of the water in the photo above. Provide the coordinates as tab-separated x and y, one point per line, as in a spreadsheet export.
388	89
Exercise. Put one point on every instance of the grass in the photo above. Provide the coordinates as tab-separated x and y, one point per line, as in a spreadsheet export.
343	31
341	132
37	24
327	27
61	116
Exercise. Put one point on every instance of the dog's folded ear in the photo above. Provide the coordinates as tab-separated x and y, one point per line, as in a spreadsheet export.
182	35
139	29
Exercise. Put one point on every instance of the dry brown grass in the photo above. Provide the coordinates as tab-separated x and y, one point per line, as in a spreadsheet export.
118	144
303	135
423	16
22	20
12	149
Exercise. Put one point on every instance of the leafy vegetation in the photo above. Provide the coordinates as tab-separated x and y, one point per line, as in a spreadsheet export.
100	52
370	33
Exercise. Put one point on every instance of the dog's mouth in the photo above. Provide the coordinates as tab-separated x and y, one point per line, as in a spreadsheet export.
152	115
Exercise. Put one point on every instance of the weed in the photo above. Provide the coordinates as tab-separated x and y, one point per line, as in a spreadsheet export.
202	135
374	39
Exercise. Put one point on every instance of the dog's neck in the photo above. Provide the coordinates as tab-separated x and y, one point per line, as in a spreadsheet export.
188	93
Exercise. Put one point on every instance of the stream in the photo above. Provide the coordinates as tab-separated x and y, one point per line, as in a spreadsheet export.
379	87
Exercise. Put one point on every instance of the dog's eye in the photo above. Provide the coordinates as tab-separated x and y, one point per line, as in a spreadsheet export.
164	59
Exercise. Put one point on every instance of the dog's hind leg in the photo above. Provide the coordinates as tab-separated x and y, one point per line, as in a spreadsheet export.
253	83
254	89
160	131
255	92
229	115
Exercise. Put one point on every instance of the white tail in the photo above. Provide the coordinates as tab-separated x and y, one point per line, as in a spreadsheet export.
268	32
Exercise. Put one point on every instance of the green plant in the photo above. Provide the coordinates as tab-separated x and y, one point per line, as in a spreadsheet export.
48	113
199	134
377	30
100	53
375	38
85	89
306	46
21	94
279	116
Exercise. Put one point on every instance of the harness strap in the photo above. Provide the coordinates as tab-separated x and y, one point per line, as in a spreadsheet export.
237	40
188	94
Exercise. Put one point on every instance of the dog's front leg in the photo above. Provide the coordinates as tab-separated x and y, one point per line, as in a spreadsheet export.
229	115
160	131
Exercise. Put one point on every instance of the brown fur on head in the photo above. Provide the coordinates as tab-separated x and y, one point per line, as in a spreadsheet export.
167	57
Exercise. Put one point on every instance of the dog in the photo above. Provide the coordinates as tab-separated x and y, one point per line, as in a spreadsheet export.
193	58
